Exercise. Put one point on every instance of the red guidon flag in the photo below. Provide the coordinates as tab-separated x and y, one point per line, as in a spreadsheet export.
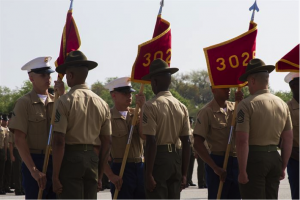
158	47
227	61
70	40
289	62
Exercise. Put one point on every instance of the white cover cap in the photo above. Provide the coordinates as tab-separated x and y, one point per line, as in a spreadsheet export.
290	76
39	65
119	83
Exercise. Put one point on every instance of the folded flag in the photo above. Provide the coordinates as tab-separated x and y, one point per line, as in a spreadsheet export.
70	40
289	62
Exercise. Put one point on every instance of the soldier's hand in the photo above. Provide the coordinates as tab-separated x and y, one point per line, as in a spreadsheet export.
140	99
150	183
117	181
196	155
239	96
13	159
282	176
59	86
99	187
243	178
183	183
57	186
221	173
39	177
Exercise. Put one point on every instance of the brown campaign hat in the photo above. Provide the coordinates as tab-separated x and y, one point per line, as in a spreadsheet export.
158	66
76	59
254	66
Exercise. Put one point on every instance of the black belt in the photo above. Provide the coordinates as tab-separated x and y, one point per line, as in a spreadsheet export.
166	148
79	147
267	148
37	151
222	153
129	160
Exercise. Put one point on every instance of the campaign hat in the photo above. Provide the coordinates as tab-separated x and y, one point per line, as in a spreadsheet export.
256	65
76	59
159	66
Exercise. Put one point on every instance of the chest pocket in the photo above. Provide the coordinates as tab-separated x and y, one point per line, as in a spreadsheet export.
219	121
1	139
37	123
219	125
37	118
119	128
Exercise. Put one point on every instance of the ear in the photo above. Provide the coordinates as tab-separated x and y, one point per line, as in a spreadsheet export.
31	78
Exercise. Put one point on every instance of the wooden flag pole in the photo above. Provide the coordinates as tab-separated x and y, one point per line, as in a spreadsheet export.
48	148
135	116
228	147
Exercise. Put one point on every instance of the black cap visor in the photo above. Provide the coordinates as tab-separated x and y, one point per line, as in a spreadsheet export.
43	70
125	89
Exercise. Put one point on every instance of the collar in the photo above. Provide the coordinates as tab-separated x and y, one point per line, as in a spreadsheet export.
164	93
295	104
116	114
262	91
217	108
35	98
80	86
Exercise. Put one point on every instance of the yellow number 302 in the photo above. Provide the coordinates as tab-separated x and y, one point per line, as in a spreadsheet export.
158	54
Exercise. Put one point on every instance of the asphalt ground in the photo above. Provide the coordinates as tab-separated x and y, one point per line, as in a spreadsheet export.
191	192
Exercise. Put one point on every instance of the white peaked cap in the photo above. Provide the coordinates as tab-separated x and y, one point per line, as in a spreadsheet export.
38	65
119	83
290	76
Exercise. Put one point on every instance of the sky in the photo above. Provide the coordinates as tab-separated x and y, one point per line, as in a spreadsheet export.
111	31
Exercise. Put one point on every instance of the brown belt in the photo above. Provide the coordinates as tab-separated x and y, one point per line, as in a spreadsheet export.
222	153
129	160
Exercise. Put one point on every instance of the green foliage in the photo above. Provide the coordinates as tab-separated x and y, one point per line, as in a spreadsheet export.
285	96
99	89
147	91
9	97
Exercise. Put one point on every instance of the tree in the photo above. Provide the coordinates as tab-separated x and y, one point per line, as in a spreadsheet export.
285	96
9	97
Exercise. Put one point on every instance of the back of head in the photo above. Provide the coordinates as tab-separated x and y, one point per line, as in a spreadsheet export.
262	78
76	75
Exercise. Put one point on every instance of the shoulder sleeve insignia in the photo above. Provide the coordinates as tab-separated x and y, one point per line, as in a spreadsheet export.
57	116
240	116
145	118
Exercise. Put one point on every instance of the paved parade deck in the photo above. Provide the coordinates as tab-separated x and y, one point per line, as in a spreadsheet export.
190	193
